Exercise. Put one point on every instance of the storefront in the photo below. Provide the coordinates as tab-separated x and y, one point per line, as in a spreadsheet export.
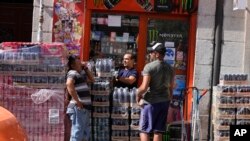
112	28
109	28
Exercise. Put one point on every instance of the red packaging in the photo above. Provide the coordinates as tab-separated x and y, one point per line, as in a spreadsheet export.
53	49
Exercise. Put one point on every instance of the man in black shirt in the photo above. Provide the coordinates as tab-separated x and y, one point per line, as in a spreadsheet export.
127	77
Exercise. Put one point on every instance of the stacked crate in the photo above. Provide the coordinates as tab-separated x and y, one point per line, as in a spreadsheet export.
101	110
231	104
120	114
100	91
134	116
32	81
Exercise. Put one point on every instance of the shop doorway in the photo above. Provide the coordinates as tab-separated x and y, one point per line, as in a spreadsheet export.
174	35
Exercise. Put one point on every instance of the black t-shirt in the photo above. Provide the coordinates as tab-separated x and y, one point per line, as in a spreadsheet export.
127	73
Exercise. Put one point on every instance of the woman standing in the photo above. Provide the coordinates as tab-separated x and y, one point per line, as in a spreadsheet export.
80	102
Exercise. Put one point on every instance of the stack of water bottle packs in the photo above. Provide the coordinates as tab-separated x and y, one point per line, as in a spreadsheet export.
101	109
101	91
125	115
232	104
104	67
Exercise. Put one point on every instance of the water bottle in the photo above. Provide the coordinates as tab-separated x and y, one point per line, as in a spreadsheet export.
111	49
120	95
126	96
115	96
1	56
133	97
109	65
102	65
97	65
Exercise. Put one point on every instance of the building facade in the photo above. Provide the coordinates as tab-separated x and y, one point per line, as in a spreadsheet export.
233	56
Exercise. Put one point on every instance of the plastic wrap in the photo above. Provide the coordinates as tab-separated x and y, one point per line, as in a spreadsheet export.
32	81
43	95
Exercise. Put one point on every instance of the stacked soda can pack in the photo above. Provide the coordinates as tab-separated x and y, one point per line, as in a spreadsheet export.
32	81
231	104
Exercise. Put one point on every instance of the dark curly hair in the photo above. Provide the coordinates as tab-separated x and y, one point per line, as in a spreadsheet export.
71	60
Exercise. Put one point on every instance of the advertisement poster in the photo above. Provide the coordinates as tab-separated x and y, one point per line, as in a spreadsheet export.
174	36
68	19
170	54
180	84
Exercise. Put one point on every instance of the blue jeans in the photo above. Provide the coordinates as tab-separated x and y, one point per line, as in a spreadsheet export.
80	119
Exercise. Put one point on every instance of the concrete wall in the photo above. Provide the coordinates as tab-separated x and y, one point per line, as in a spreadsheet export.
47	23
204	57
233	49
247	37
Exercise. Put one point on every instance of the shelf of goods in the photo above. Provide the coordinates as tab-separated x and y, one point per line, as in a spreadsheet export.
111	39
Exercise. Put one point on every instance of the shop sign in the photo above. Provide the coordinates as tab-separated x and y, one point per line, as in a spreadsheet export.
163	5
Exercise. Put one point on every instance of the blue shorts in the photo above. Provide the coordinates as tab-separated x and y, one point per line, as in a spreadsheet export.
153	118
80	119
